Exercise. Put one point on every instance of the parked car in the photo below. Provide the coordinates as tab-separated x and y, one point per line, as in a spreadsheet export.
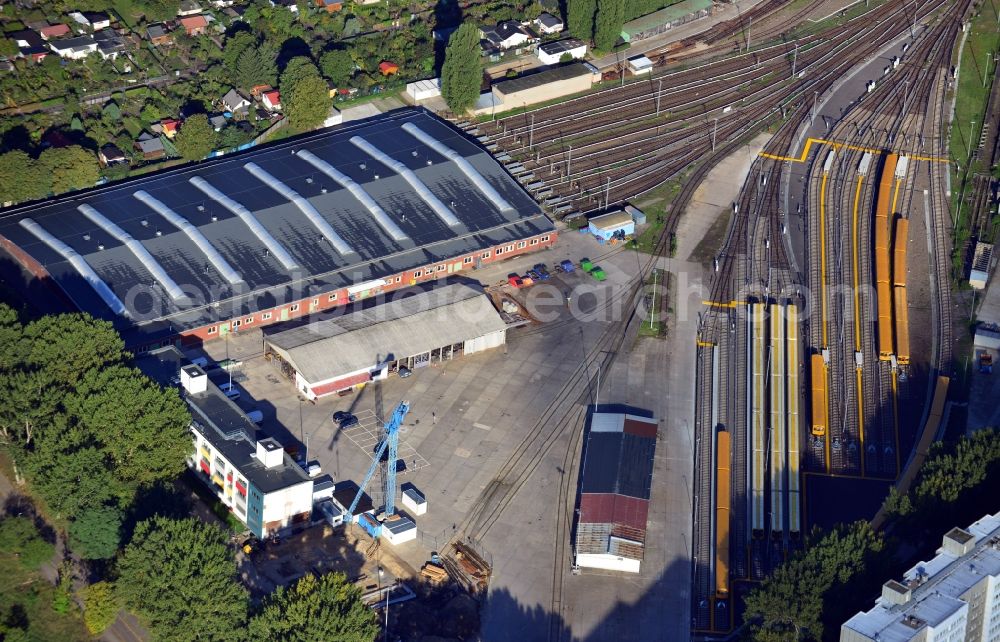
348	421
533	275
340	414
515	280
404	372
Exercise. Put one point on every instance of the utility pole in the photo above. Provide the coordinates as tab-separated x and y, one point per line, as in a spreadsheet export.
531	133
795	59
972	131
658	96
815	99
986	68
652	312
569	161
607	193
714	131
749	27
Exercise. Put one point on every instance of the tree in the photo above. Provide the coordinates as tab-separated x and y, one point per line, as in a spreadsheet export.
298	68
580	16
20	538
69	168
789	604
181	576
256	66
196	138
157	10
19	181
307	104
328	608
143	427
62	598
608	23
337	66
100	607
8	48
96	533
462	72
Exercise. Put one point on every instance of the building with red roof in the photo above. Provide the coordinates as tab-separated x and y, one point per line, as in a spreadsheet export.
615	481
388	68
194	25
54	31
271	100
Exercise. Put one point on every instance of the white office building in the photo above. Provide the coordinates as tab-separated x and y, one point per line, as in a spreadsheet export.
954	597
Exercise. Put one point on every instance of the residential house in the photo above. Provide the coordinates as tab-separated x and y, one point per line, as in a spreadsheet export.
222	4
388	68
549	24
54	31
169	127
151	147
91	20
110	155
194	25
235	102
271	100
217	122
551	53
509	34
188	8
109	44
291	5
30	44
331	6
158	35
235	13
74	48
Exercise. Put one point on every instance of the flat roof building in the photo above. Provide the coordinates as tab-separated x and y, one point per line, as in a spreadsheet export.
615	482
278	232
953	597
411	328
248	471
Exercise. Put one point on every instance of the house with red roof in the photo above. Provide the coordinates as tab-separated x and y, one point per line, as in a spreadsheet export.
271	100
169	127
194	25
388	68
54	31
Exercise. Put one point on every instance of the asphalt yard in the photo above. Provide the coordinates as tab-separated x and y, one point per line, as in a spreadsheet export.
468	416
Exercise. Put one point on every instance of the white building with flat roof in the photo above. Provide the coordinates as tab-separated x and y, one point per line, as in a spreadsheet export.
953	597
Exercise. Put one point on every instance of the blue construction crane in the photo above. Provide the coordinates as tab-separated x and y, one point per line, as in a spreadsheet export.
390	442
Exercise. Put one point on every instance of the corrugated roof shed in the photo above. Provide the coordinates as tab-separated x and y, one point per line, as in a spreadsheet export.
412	322
618	457
264	281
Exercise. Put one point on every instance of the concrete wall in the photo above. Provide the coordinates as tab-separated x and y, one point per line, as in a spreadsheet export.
545	92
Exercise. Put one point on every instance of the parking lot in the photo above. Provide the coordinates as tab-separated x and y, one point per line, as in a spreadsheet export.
468	415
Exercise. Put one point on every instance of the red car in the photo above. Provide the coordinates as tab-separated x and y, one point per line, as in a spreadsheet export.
515	280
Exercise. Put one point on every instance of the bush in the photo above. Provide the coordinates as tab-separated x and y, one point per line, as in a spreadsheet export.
20	538
100	607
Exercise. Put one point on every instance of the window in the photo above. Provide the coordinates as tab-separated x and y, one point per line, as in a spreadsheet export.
248	320
534	241
212	330
295	307
486	255
545	238
521	244
236	323
499	251
467	260
398	279
265	316
418	274
440	268
315	301
510	248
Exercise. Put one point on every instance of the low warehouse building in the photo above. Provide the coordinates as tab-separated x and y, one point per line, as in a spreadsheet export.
615	225
546	85
249	472
615	481
415	328
424	89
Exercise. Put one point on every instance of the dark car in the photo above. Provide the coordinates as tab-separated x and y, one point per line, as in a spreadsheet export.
340	414
347	421
404	372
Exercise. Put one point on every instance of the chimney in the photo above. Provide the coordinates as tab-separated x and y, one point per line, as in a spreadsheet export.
193	379
270	453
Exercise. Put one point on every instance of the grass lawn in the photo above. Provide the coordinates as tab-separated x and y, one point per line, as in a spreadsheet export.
26	597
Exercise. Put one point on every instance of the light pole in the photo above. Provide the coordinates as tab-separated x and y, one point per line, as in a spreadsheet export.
972	131
714	131
815	100
660	89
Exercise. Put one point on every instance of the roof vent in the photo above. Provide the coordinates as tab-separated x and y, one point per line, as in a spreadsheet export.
145	223
322	190
363	167
159	233
376	176
309	180
414	152
100	246
214	218
86	237
429	162
201	208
